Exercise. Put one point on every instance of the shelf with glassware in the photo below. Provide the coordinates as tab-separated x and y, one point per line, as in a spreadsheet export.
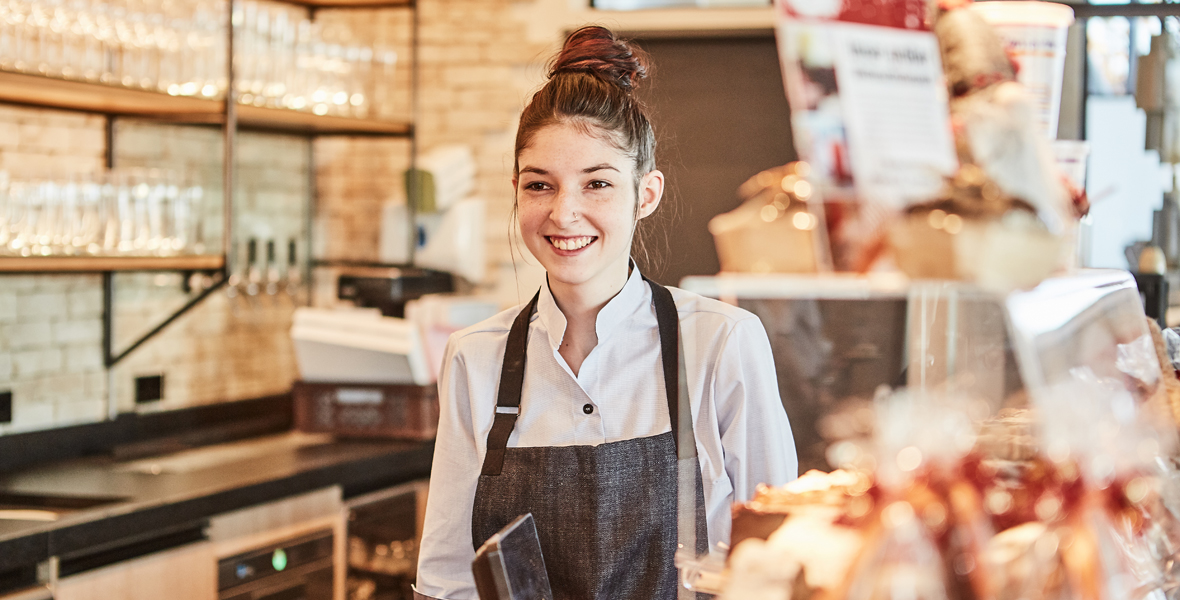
162	63
176	51
169	61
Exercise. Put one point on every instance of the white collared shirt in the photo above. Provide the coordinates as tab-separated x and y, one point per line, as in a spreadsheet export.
742	434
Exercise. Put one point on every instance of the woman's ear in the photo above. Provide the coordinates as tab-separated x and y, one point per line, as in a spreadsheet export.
651	190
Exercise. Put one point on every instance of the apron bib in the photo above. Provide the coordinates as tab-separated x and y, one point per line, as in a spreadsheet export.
606	515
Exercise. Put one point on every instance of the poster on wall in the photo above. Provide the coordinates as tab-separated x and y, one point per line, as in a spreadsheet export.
868	102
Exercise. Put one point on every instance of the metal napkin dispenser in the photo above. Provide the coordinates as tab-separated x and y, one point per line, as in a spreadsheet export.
509	566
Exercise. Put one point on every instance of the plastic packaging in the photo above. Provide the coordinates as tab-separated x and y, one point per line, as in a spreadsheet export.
1035	34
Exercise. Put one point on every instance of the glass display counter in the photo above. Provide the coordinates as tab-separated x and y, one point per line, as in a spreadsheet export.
839	341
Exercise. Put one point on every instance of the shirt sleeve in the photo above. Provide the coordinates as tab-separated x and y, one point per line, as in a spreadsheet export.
444	559
755	433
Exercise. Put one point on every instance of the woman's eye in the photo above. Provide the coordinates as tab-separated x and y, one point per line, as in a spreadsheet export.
535	186
599	184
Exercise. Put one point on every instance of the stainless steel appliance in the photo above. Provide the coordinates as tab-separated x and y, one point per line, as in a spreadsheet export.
390	289
296	569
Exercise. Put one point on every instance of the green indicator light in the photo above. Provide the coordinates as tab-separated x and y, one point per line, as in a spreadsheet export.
279	560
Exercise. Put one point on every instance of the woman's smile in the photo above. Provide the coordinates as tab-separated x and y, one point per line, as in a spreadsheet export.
571	245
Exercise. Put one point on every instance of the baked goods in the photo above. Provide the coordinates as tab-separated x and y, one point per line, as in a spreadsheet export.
798	540
774	230
974	231
1019	516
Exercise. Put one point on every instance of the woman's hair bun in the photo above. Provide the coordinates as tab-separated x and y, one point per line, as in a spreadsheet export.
597	50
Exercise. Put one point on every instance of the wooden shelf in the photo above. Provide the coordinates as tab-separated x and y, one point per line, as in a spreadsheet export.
293	121
353	3
86	264
365	264
35	90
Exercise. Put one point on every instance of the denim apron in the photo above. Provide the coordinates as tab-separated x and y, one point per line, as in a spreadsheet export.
606	515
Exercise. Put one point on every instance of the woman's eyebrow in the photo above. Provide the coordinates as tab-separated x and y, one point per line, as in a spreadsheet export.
601	167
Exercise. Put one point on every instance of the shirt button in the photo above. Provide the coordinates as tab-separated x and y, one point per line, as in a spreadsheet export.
589	408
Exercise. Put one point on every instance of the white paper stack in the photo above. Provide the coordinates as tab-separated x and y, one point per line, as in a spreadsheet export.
456	241
394	243
449	227
358	346
440	315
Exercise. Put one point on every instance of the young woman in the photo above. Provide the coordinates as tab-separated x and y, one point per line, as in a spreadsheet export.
568	407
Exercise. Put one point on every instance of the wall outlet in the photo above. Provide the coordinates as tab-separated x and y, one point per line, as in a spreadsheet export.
149	388
5	407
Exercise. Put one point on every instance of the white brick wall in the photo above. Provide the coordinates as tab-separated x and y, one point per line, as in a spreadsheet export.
48	351
480	60
51	325
7	307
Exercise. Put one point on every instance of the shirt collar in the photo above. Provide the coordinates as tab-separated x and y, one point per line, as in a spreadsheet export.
630	299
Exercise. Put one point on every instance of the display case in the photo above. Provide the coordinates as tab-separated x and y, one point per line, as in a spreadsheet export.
841	343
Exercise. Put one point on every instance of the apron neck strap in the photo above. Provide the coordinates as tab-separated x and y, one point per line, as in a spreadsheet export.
511	384
673	361
512	379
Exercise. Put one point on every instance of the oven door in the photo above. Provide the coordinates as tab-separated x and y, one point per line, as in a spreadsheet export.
297	569
316	585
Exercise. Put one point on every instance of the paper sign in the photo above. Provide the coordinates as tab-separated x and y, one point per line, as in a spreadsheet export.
896	113
868	101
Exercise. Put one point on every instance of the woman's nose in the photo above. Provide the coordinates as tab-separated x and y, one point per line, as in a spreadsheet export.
563	211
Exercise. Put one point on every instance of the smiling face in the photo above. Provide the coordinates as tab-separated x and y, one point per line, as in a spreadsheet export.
576	201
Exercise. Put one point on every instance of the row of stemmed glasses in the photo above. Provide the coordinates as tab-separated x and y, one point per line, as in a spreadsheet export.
171	46
284	60
133	212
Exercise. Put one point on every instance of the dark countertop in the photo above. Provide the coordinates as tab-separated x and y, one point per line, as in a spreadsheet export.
186	493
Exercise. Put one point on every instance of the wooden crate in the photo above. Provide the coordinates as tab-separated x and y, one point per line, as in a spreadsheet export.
367	410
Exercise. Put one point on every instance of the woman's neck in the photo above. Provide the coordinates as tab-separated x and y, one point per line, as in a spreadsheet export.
581	304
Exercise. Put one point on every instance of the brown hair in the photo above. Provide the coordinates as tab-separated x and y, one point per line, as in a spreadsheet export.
591	84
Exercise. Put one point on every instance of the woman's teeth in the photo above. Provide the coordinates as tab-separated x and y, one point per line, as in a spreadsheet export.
574	243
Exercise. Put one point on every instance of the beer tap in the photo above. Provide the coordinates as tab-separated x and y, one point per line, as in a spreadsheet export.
294	275
253	272
272	269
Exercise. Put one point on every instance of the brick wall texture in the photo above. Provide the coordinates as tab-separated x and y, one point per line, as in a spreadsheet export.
479	61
